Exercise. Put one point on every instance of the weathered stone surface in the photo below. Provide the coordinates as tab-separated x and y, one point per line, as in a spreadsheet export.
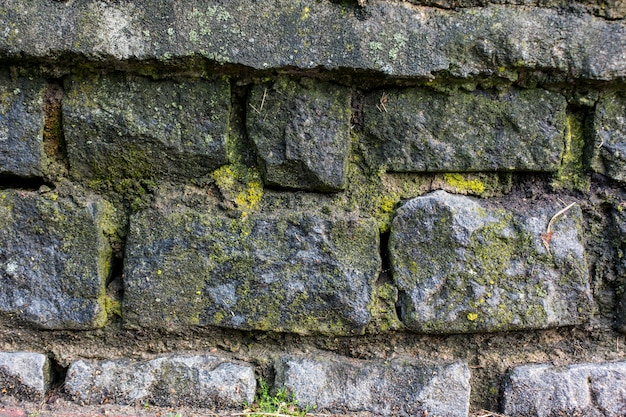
21	127
24	375
585	390
420	130
302	272
301	132
462	266
54	258
390	37
610	137
392	388
200	381
123	126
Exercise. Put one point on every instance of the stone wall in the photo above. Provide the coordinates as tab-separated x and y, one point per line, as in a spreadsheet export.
388	208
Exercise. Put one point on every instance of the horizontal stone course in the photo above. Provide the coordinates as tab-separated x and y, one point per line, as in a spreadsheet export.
583	390
189	380
387	388
464	266
24	375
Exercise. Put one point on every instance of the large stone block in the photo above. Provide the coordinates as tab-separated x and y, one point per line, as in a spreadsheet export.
286	271
301	131
54	258
198	381
416	130
123	126
391	388
464	266
24	375
21	127
609	125
584	390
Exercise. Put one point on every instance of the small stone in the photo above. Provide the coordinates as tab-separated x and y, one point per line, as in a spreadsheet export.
388	388
24	375
610	137
194	381
583	390
462	266
301	131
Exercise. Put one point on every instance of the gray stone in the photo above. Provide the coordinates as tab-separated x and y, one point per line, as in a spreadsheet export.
123	126
584	390
301	132
392	38
21	127
198	381
392	388
303	272
416	130
54	258
24	375
610	137
463	266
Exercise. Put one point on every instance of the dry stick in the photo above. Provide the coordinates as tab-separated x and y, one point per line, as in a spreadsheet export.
548	234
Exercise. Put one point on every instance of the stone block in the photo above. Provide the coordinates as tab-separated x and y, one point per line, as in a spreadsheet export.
609	124
54	258
124	126
180	380
390	388
462	265
583	390
21	127
284	271
417	130
24	375
301	131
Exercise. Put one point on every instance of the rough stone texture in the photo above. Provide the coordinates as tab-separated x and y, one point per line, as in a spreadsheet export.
132	127
54	259
392	388
21	127
302	133
302	272
24	375
389	37
419	130
610	137
199	381
585	390
462	266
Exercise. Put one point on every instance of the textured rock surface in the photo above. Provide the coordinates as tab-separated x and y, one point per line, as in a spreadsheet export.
391	388
24	375
54	259
301	132
132	127
302	272
462	266
419	130
391	37
610	137
585	390
21	126
200	381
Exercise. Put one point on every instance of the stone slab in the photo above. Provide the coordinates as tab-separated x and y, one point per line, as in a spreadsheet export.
418	130
54	258
284	271
609	125
464	266
24	375
124	126
392	38
179	380
21	127
391	388
583	390
301	131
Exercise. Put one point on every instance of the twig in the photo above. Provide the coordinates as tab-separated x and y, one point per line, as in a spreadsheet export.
547	236
558	214
489	414
260	109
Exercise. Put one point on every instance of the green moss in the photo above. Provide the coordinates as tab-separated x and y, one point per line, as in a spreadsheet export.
382	309
571	173
459	182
